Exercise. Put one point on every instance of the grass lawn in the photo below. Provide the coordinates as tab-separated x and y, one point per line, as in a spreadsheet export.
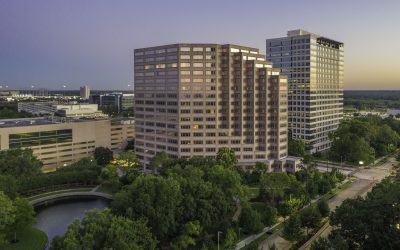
253	192
59	192
30	238
105	189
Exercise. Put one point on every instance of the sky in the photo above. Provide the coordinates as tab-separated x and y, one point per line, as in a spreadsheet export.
51	43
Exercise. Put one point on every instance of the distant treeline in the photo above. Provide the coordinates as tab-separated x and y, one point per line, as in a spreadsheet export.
372	99
372	94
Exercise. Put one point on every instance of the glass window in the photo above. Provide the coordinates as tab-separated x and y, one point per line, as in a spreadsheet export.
172	50
198	57
185	65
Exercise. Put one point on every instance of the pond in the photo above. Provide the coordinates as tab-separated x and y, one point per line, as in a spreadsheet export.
55	218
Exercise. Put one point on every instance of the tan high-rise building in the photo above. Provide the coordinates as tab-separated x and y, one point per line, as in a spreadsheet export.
84	92
192	99
314	66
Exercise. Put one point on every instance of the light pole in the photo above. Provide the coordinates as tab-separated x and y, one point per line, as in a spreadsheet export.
239	232
374	157
219	232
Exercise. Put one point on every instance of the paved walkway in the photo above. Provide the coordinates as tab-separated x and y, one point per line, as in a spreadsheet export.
59	196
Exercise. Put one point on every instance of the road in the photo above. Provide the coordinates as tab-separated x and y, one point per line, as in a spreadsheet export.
366	179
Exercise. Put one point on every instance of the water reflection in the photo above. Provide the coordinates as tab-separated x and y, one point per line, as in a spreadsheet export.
55	218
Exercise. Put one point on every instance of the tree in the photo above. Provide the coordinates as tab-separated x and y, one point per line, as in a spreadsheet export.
8	185
230	239
250	220
152	197
323	208
159	160
128	162
103	155
324	186
291	229
110	177
273	185
269	215
333	242
285	209
310	217
321	244
296	148
227	179
130	145
226	157
104	230
24	215
23	163
7	216
208	197
371	222
188	236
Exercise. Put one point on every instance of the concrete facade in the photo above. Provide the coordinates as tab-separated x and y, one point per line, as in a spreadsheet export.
192	99
84	92
314	66
61	142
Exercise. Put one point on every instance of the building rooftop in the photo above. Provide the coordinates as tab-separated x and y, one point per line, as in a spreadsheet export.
23	122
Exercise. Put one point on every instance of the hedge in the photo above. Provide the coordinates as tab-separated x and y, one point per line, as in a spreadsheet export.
43	181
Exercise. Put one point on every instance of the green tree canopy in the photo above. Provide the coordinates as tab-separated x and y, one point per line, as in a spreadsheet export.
160	160
310	217
292	229
296	148
323	208
8	185
19	163
152	197
371	222
104	230
24	215
250	220
7	216
226	157
103	155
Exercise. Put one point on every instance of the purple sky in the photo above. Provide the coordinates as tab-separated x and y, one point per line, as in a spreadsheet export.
48	43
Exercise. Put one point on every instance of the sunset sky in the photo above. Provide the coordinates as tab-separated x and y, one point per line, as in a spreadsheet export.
49	43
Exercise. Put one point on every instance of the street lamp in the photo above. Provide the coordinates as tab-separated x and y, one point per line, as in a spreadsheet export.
219	232
239	232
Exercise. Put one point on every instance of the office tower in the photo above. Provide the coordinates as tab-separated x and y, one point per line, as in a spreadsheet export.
85	92
127	102
62	141
192	99
121	102
314	67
